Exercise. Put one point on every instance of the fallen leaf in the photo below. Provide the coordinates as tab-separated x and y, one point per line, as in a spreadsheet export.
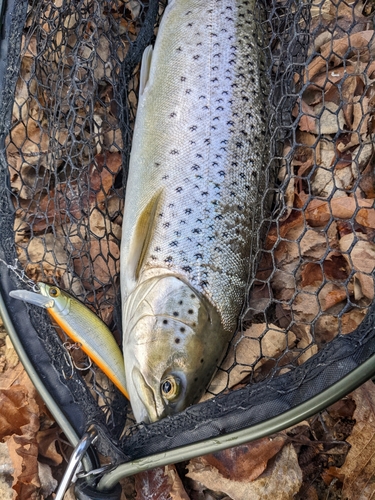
331	295
333	52
319	212
252	347
246	462
359	253
98	271
281	481
46	440
161	483
359	465
314	244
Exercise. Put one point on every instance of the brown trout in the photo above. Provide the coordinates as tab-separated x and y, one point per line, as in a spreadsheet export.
196	180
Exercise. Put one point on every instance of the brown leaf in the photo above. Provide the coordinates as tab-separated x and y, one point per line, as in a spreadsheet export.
26	479
102	174
103	264
14	410
318	212
333	52
246	462
46	440
245	351
311	274
161	483
331	295
360	254
352	319
281	481
358	469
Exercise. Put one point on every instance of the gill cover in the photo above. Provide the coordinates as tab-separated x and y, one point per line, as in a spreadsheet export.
172	350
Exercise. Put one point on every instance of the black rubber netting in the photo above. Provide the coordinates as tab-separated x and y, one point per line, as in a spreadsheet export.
69	85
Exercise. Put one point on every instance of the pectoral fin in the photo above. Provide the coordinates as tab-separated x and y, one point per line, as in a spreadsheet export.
145	68
141	237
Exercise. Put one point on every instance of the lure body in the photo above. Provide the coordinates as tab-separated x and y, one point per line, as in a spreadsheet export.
83	327
193	200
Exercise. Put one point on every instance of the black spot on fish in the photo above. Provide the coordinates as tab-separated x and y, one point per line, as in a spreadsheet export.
177	340
175	313
196	378
165	322
174	152
197	56
180	302
192	296
173	243
188	269
183	78
179	189
182	329
198	256
188	211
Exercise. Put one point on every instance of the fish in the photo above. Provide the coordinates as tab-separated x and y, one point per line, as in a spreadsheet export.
83	326
197	175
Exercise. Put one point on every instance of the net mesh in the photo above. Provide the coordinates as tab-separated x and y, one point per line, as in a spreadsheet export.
305	321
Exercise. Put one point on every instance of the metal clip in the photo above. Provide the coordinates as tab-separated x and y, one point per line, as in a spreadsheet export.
96	472
86	441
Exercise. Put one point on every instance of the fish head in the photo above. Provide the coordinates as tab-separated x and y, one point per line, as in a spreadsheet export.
60	298
173	342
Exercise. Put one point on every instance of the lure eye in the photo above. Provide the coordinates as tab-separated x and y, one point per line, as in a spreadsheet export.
170	388
54	292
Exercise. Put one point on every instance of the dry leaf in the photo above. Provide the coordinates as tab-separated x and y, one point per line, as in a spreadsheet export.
281	481
252	347
245	462
103	264
358	469
161	483
46	440
318	212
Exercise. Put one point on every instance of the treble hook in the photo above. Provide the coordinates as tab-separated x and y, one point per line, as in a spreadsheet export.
70	360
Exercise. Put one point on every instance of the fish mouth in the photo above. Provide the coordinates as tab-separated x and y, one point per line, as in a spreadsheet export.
143	403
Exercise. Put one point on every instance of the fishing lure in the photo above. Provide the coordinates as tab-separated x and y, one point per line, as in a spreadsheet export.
82	326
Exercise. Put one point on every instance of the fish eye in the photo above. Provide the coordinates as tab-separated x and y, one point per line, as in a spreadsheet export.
54	292
170	388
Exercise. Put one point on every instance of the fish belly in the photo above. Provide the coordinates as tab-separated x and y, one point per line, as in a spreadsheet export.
199	154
